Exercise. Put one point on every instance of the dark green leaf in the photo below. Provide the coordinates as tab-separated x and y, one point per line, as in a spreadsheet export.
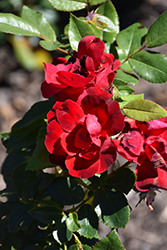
123	100
19	214
112	208
25	182
150	66
46	214
111	242
24	132
144	110
88	221
124	180
77	30
40	157
39	21
49	45
108	11
61	233
10	23
68	5
157	34
130	39
75	247
72	222
69	192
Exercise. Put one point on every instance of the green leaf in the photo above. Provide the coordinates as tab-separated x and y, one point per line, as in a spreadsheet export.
123	100
49	45
40	157
150	65
111	19
72	222
46	214
25	182
77	30
111	242
144	110
88	221
39	21
84	247
130	39
157	34
68	5
61	233
24	132
123	59
10	23
124	180
127	78
112	208
19	215
69	192
95	2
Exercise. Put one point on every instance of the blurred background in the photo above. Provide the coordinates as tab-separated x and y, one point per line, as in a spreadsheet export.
21	74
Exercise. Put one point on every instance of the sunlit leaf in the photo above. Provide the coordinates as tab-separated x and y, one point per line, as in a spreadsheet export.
77	30
144	110
110	242
150	66
157	34
111	207
40	22
10	23
130	39
68	5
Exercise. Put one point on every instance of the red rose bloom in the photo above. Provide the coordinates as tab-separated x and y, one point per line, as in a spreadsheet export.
146	144
88	67
81	134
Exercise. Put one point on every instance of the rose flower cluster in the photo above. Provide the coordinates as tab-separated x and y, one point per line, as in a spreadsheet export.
84	116
145	143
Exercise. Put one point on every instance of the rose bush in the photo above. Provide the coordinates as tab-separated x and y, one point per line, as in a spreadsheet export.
80	134
146	144
88	67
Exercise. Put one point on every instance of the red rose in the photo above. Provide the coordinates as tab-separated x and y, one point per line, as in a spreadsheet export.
88	67
81	133
146	144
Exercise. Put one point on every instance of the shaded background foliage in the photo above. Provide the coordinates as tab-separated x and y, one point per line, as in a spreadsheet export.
20	88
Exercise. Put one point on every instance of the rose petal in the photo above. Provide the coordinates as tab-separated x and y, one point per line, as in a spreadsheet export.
54	131
69	115
107	155
81	168
148	176
93	47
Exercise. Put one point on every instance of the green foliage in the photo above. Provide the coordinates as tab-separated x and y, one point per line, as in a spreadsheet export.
130	39
77	30
10	23
111	208
111	242
66	5
109	21
144	110
150	66
157	33
46	208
